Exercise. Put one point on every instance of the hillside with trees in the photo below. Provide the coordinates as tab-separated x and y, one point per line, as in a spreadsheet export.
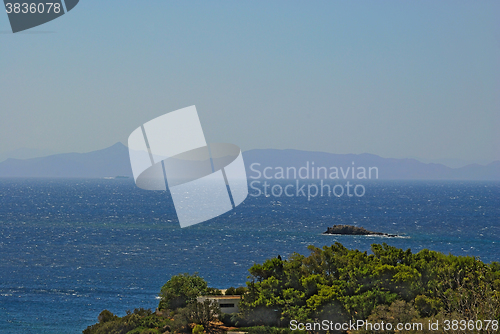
333	283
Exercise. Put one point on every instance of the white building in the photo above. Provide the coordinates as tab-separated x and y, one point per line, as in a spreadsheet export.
227	304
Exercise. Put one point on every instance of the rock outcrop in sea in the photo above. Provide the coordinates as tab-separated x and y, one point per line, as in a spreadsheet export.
354	230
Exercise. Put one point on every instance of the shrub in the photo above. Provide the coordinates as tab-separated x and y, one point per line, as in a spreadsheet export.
426	306
106	316
198	329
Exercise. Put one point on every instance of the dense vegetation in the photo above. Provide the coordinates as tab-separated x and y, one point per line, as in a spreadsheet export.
332	283
338	284
178	311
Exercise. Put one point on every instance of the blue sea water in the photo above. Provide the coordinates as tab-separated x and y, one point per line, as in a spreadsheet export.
71	248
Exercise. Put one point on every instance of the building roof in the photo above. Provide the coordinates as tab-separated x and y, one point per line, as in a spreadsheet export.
222	297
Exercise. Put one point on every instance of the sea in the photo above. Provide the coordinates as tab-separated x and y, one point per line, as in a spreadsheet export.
70	248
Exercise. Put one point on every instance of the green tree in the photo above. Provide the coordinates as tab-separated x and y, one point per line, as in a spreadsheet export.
204	313
240	290
427	306
181	290
399	312
106	316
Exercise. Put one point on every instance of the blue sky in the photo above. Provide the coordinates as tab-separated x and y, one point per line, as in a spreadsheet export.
393	78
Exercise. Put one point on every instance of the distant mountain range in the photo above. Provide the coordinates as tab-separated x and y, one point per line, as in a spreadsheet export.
388	168
114	161
25	153
111	161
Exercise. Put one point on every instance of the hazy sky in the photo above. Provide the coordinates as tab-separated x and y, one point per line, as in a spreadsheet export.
393	78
